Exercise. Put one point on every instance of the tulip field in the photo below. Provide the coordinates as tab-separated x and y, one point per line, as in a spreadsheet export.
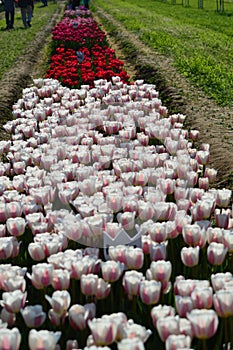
112	232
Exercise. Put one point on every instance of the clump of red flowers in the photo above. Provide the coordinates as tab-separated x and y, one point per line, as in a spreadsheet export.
79	34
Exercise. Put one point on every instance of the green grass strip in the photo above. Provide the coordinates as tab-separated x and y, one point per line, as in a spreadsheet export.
199	41
15	43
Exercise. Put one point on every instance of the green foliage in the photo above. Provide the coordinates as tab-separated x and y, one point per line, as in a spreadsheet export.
199	41
15	42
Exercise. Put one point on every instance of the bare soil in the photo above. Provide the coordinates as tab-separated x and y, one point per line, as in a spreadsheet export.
180	96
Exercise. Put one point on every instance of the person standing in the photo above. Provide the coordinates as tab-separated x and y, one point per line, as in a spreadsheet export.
9	8
75	4
26	12
86	3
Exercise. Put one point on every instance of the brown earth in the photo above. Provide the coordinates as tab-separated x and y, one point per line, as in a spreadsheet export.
179	95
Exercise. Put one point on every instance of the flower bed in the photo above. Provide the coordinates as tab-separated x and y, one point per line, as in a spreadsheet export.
81	52
112	234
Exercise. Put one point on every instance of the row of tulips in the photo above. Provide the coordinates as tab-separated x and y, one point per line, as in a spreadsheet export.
112	234
81	52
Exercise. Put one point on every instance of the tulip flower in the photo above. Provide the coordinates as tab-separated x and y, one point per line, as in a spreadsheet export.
183	304
2	230
184	287
203	182
167	326
71	344
33	315
7	318
10	338
13	301
89	284
190	256
132	330
157	251
103	330
131	282
150	292
112	270
60	279
6	247
223	197
95	347
127	220
134	344
41	276
222	301
215	234
60	301
202	298
121	321
204	323
82	266
159	270
180	341
16	226
43	340
13	209
117	253
80	314
103	289
134	258
216	253
227	239
181	220
192	234
161	311
157	232
218	280
222	218
203	157
36	251
186	327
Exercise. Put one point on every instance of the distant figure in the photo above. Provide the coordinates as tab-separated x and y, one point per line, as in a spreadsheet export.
86	3
26	12
75	3
9	8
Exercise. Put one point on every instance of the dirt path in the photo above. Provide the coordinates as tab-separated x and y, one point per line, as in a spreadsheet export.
214	123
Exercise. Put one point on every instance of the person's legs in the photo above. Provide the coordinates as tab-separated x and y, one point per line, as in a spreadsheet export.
29	15
7	20
12	17
24	16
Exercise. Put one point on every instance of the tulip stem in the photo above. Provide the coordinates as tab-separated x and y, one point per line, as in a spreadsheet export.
230	262
225	330
204	263
204	344
112	300
231	330
134	306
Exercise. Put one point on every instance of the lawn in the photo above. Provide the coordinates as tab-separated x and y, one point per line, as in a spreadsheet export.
199	41
14	43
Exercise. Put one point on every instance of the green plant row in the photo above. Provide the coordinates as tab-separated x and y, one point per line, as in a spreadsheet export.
199	41
15	43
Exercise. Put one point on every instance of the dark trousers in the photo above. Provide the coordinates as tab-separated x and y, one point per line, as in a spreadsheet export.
9	15
26	13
